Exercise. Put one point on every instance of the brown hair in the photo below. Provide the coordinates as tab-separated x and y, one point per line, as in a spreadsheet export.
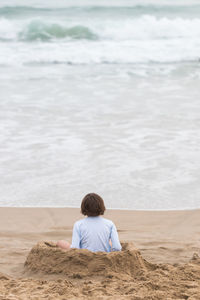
92	205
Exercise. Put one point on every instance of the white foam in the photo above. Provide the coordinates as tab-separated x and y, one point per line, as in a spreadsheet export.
141	40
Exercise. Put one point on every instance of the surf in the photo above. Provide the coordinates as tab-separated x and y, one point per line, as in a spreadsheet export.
38	30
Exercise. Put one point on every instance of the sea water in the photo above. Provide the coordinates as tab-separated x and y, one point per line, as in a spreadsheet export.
100	96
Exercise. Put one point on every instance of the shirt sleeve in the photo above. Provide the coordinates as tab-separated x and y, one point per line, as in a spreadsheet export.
76	238
116	246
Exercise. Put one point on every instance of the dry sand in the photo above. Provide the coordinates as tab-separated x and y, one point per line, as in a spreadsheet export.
160	264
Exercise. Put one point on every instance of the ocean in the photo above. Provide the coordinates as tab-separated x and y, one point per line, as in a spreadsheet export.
100	96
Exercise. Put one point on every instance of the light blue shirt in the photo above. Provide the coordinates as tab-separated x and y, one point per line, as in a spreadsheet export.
94	233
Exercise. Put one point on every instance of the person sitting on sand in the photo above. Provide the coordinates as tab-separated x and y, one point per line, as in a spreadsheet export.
94	232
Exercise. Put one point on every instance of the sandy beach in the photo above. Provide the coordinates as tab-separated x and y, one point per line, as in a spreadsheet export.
159	258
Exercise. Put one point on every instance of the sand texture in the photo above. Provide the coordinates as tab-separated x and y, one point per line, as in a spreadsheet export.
155	263
49	259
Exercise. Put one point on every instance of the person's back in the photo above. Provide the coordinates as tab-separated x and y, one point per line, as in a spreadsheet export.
94	233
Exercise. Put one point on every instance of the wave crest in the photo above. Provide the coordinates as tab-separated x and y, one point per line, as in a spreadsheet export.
37	30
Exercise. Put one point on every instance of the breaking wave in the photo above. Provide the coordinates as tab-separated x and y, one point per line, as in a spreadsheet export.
145	27
77	39
37	30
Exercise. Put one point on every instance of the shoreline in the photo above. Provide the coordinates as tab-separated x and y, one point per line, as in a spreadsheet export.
107	209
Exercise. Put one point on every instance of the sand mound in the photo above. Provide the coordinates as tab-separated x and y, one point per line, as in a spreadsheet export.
46	258
125	275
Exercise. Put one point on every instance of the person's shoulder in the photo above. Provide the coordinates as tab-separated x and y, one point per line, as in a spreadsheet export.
108	222
79	222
